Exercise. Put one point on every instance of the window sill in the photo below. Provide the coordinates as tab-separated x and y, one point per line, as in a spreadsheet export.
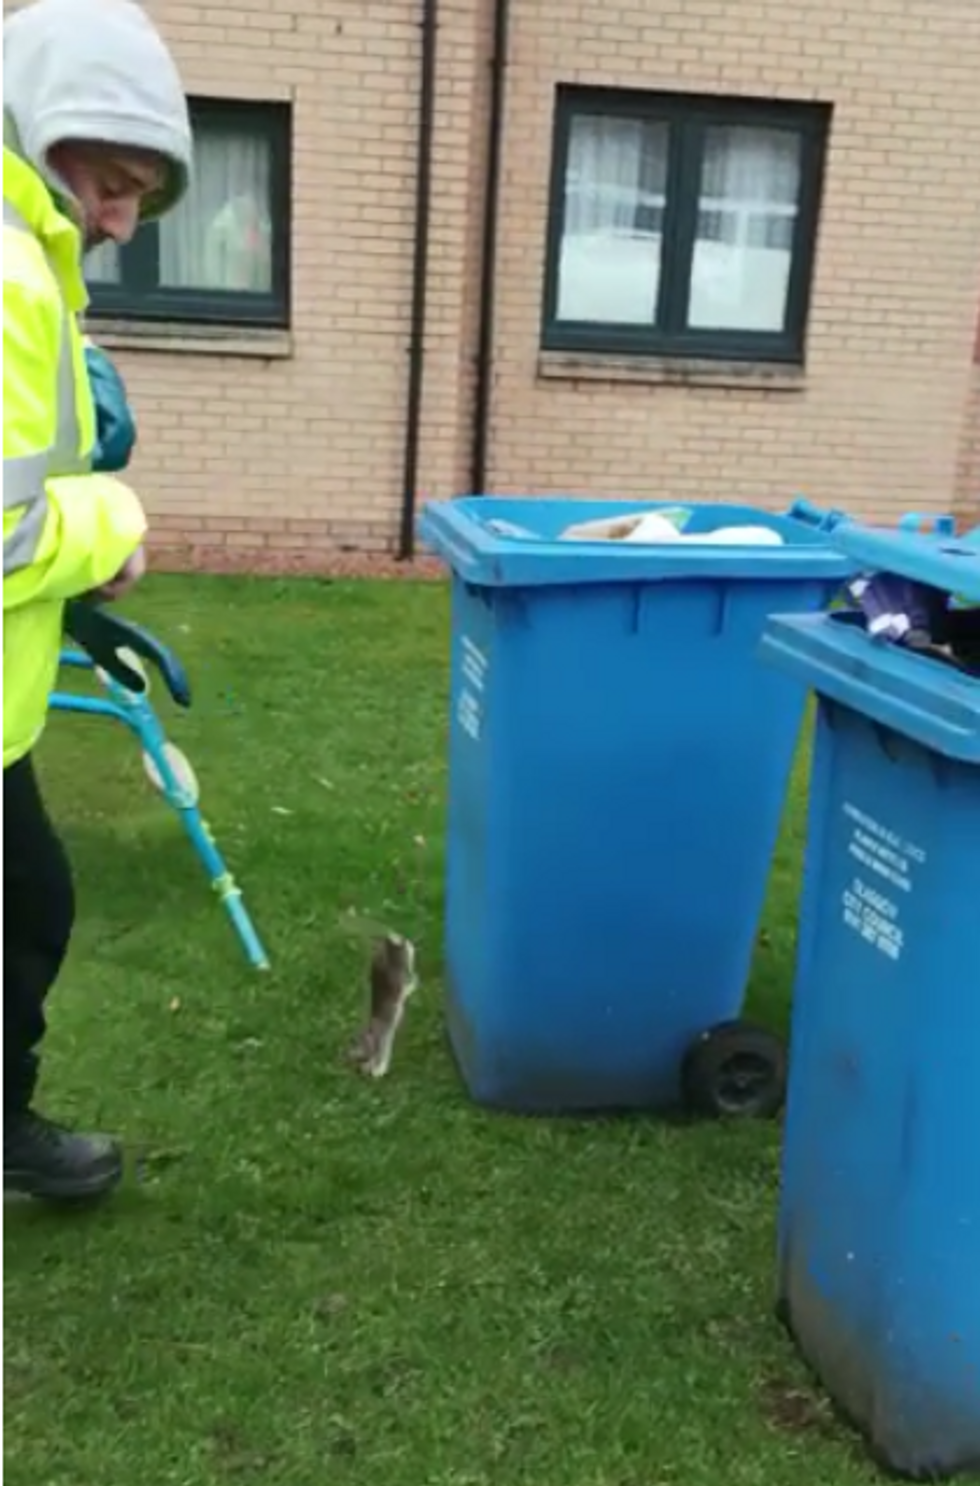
657	371
189	339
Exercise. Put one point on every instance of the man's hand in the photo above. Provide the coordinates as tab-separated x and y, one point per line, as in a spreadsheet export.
128	576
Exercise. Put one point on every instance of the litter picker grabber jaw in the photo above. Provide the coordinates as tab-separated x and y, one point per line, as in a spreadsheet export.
110	641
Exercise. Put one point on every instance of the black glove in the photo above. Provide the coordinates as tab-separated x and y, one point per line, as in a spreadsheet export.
101	635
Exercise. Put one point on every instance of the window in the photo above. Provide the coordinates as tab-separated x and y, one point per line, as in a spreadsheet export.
682	226
222	255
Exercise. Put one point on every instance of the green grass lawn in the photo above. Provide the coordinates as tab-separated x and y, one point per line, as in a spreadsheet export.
309	1279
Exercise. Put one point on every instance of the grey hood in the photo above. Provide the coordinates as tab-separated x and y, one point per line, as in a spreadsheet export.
93	70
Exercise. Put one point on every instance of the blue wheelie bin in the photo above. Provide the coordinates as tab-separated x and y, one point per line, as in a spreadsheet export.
618	762
879	1232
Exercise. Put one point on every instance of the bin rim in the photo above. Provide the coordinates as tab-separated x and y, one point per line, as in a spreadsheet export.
910	694
457	531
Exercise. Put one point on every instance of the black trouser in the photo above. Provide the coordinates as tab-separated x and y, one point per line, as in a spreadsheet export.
38	915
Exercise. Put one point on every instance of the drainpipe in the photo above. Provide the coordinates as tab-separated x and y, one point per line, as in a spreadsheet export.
488	268
420	271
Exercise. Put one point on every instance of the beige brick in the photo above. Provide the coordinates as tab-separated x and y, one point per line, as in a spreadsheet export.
968	471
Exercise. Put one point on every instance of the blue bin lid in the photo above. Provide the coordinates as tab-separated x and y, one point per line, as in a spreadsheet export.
946	562
465	534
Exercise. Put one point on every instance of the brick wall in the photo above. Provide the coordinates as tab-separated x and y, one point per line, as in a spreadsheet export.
968	484
877	424
304	451
968	476
249	456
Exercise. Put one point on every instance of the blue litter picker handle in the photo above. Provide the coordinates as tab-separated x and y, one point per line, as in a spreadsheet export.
103	636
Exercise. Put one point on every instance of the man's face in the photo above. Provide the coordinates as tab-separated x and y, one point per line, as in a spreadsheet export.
110	184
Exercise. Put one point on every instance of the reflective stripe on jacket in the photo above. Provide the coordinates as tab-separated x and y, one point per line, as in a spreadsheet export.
66	530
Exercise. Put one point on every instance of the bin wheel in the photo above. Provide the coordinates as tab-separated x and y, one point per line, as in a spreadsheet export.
735	1071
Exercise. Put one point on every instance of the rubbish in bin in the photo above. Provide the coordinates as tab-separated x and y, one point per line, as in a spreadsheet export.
947	633
662	524
625	528
508	529
656	528
618	763
943	625
898	609
880	1201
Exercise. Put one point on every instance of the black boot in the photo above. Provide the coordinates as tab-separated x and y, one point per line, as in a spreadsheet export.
44	1160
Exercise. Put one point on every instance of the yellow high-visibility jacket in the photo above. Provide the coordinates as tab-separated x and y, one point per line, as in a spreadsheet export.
65	529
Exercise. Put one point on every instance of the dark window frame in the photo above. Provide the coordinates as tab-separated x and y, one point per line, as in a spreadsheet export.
688	116
139	296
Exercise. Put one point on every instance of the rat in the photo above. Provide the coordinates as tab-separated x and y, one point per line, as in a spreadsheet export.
392	981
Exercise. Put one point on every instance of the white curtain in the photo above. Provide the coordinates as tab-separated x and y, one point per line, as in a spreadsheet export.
750	184
220	236
615	193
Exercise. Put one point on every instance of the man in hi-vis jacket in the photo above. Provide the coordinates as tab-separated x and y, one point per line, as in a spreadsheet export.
96	140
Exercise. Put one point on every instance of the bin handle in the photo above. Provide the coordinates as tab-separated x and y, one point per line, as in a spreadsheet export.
918	521
460	541
813	515
828	521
